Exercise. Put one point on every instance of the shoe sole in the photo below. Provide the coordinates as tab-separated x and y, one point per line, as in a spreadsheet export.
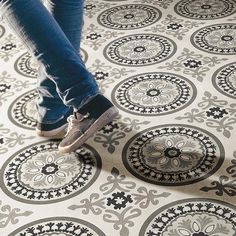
103	120
52	133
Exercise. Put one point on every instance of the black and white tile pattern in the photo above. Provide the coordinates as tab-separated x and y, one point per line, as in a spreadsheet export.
167	164
154	94
140	50
205	9
217	39
192	217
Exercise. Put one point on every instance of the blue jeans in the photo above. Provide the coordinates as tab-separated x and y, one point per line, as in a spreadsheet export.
52	34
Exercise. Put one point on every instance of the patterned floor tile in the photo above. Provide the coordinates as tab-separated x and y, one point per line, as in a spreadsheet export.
166	166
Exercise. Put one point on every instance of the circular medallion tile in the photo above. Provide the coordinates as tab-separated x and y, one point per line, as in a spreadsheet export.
192	217
58	226
22	112
140	50
130	16
26	66
205	9
154	94
39	174
218	39
224	80
173	155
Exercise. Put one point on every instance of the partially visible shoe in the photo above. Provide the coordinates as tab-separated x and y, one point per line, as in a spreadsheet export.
57	128
93	116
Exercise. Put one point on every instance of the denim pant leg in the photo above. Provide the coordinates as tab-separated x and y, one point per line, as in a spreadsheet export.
44	37
69	15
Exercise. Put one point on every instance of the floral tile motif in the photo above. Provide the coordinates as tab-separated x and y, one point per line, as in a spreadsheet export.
154	94
173	155
216	39
205	9
9	85
174	26
120	202
10	139
128	17
39	174
193	64
10	215
215	112
95	36
140	50
198	217
9	46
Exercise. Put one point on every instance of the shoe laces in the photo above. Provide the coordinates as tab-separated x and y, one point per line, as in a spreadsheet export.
73	121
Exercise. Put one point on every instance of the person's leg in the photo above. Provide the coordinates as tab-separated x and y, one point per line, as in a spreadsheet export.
74	84
43	36
52	111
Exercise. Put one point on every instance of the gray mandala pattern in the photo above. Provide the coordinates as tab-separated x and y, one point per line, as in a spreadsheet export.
215	112
140	50
58	226
224	80
217	39
173	155
130	16
154	94
22	112
205	9
39	174
195	217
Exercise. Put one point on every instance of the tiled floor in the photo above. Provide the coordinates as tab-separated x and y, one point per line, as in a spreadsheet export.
167	165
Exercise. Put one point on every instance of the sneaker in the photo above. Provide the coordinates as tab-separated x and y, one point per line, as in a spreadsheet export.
57	128
93	116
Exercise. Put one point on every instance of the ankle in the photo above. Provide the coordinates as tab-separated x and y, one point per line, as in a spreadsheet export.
96	106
